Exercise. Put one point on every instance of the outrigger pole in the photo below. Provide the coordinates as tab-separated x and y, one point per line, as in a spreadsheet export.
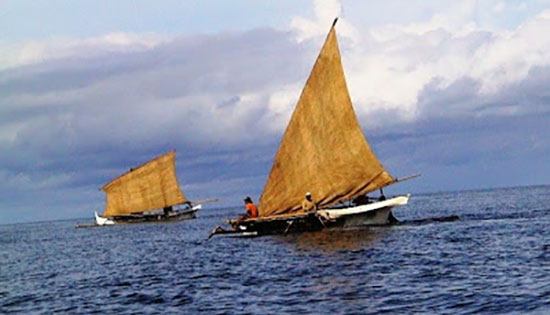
402	179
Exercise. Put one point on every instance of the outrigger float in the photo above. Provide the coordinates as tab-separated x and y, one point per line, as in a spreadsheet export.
323	151
147	193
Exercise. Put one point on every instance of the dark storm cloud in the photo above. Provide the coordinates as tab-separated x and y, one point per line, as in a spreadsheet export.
69	125
466	139
463	97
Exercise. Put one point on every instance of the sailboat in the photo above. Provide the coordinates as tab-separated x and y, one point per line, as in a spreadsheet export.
147	193
323	151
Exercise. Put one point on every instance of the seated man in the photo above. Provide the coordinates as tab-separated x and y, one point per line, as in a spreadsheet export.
167	210
251	212
308	205
361	200
251	209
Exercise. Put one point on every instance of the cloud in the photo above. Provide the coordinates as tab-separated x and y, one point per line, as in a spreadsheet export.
210	82
38	51
390	72
457	18
324	14
443	95
74	122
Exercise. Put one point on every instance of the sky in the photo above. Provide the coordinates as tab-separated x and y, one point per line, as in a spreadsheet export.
454	90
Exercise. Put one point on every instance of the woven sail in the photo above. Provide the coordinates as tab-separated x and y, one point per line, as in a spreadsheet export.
323	150
152	185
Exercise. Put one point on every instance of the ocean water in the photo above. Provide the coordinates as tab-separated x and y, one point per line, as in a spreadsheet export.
495	259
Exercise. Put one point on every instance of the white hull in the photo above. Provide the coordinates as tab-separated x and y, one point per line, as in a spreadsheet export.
376	213
99	220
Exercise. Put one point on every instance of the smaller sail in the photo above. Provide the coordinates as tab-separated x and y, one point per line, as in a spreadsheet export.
153	185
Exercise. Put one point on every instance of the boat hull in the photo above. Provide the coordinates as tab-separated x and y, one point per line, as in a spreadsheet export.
373	214
377	217
376	213
302	223
149	218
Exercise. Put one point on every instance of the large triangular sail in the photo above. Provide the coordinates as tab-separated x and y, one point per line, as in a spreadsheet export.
153	185
323	150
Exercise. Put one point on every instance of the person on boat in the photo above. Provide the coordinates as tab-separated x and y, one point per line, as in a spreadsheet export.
251	209
361	200
308	205
382	196
251	212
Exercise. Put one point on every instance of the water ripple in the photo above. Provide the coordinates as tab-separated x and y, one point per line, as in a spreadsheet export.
495	259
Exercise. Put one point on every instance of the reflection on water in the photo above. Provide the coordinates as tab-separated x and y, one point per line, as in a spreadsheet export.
338	239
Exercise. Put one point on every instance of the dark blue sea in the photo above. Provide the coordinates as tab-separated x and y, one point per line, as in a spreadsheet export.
495	259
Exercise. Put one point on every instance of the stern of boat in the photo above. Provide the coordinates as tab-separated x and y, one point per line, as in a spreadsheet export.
99	220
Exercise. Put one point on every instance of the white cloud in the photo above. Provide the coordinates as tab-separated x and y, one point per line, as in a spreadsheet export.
499	7
325	11
27	181
8	131
388	70
111	101
31	52
387	65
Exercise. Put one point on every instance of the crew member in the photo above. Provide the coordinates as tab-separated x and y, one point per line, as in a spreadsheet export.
361	200
308	205
167	210
382	196
251	209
